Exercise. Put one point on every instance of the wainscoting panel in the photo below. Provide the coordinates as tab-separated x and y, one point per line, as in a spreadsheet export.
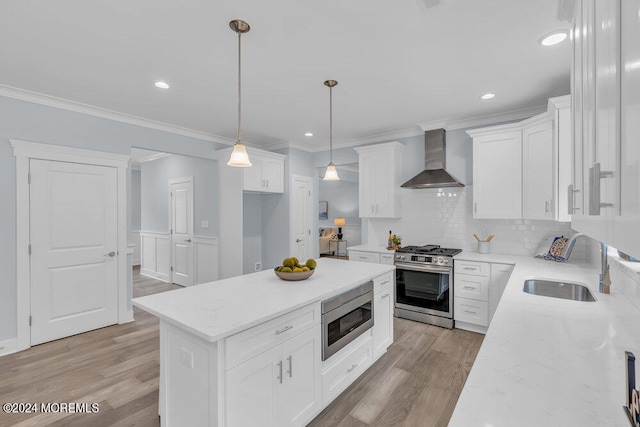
154	253
135	240
205	254
156	257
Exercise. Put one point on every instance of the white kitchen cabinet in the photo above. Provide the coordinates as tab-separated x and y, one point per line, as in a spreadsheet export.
627	225
497	173
280	387
565	194
605	81
380	175
478	287
500	274
373	257
382	314
539	170
266	175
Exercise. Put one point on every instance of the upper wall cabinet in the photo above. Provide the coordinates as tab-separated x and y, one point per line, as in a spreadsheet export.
516	172
605	83
266	175
380	175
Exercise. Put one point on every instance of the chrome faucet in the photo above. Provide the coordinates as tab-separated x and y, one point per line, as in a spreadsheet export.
604	279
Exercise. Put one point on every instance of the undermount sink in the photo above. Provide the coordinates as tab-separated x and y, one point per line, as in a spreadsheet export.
555	289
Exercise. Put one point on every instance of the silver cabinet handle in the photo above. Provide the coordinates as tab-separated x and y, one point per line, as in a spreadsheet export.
111	254
290	371
470	312
386	296
571	208
595	175
475	207
283	330
471	268
354	366
385	282
280	370
546	206
469	287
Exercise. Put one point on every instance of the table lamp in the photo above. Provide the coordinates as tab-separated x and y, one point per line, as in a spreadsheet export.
339	222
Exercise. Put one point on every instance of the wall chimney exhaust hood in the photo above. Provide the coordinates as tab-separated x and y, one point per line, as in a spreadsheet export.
435	174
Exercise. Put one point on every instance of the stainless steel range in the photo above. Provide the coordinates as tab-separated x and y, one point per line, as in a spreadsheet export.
424	284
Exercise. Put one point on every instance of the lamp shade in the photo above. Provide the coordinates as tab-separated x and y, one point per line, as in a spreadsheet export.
331	174
339	222
239	156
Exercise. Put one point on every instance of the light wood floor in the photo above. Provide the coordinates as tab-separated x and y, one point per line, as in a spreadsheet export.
416	383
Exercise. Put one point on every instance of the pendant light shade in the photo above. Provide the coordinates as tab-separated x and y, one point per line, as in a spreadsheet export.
239	157
331	173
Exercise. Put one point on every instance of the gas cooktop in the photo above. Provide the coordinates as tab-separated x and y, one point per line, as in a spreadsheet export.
435	250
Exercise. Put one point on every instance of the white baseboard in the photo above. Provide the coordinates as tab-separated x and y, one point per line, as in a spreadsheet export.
154	275
8	346
128	317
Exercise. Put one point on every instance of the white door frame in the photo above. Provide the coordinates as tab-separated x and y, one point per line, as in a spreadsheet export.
187	179
24	151
310	249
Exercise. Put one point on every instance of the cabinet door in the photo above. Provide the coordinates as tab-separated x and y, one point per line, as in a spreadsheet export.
364	257
539	171
367	165
382	321
497	176
273	175
253	397
565	196
252	176
301	391
577	189
500	274
627	225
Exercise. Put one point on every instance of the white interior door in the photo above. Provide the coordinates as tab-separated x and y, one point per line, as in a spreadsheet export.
181	200
301	218
73	231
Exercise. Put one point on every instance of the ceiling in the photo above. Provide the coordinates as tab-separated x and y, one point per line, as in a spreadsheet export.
399	63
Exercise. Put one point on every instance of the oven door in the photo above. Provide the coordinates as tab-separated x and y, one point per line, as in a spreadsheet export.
426	289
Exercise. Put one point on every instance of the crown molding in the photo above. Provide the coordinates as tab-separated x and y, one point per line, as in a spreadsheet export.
77	107
490	119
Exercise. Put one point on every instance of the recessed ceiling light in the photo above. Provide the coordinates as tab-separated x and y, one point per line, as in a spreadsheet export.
162	85
553	37
488	96
308	134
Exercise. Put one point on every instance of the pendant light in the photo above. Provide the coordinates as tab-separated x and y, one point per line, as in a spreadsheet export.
331	174
239	157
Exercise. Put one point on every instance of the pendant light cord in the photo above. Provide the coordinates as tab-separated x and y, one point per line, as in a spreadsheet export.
239	86
330	124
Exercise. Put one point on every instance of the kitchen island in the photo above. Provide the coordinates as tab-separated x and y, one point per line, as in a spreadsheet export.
247	350
552	362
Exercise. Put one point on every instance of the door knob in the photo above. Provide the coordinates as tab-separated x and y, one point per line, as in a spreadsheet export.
111	254
188	240
298	240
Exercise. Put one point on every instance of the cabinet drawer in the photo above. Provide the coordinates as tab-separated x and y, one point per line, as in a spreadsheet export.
386	259
474	287
340	375
364	257
471	311
470	267
254	341
382	282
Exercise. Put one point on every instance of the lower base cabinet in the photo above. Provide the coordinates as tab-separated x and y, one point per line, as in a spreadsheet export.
382	315
280	387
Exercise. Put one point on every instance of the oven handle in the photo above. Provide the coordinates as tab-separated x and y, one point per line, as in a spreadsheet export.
401	266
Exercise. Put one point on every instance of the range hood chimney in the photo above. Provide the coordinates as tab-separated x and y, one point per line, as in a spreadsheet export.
435	174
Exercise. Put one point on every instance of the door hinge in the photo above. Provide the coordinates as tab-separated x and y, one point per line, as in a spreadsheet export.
172	231
29	248
309	192
171	194
171	268
30	320
29	178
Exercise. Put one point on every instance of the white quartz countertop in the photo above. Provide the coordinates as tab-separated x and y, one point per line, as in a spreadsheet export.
215	310
548	361
371	248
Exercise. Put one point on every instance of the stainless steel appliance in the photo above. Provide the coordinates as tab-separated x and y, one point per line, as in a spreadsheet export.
345	317
424	284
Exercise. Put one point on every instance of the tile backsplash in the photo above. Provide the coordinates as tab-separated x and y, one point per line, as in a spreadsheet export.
444	217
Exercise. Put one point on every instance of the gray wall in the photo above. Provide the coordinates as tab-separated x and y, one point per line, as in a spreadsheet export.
27	121
155	194
135	203
251	231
